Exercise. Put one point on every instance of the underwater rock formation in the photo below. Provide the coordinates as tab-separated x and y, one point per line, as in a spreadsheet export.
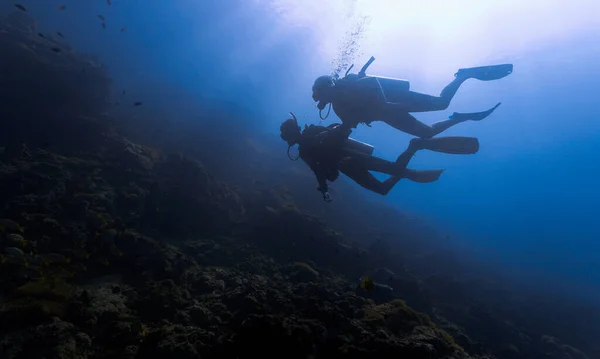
47	86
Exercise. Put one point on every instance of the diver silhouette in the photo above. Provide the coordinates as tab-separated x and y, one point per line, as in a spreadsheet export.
329	151
358	98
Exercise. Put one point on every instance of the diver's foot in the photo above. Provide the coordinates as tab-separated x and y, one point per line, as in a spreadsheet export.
485	73
423	176
475	116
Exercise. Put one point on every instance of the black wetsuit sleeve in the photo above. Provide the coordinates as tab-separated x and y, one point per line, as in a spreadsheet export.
320	144
322	183
321	178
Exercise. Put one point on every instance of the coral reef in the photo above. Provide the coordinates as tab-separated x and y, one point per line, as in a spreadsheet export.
113	249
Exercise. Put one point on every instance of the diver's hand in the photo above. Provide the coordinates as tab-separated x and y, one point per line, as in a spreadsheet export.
325	192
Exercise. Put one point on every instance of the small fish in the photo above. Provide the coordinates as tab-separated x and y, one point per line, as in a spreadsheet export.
41	35
123	92
137	103
123	28
60	34
20	7
103	25
56	49
101	17
108	2
271	209
61	7
367	283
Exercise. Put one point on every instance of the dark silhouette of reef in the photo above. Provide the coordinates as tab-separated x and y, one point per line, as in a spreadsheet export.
150	247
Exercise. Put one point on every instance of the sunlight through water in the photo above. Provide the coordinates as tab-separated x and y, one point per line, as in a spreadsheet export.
437	35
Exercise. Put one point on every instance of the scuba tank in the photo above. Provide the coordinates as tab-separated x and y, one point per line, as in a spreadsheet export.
359	146
350	143
355	145
394	89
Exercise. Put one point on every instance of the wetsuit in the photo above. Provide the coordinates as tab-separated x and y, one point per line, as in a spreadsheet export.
321	148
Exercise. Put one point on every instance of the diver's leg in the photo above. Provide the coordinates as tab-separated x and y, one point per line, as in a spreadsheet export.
376	164
421	176
360	174
396	116
405	122
365	179
407	155
398	168
419	102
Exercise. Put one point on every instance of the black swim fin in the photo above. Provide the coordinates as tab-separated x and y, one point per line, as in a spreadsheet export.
458	145
422	176
473	116
486	73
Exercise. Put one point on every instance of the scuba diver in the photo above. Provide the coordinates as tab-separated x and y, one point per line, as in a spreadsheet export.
358	98
329	151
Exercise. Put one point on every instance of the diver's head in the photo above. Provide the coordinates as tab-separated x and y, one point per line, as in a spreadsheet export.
322	90
290	131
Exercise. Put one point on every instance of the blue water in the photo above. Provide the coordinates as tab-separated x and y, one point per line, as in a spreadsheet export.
527	201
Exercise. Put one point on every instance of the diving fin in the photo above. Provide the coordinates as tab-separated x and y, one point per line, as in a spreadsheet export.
423	176
473	116
486	73
458	145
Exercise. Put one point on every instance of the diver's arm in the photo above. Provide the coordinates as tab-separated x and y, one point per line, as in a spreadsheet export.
323	188
325	192
322	183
